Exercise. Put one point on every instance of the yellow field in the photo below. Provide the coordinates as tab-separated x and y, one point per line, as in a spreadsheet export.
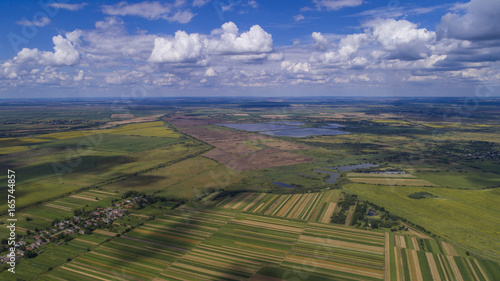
12	149
147	129
71	134
393	181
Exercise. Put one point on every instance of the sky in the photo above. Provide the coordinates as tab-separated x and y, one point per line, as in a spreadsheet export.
249	48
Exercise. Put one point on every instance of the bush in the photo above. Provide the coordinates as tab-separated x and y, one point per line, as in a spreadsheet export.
421	195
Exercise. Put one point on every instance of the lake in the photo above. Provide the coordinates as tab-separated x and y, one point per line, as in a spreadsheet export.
287	129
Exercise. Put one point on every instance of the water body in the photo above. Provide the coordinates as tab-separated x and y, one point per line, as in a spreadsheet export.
348	168
283	184
334	176
305	132
257	127
287	129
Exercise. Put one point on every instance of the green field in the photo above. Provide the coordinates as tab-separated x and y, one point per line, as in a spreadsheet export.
67	162
466	217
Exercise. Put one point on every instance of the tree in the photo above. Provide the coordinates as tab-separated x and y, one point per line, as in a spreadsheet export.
30	254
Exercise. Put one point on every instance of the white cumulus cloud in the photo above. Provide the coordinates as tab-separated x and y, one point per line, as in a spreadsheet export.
402	38
256	40
320	41
64	54
183	48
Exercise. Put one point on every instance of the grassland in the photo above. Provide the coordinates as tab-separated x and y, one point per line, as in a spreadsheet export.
182	181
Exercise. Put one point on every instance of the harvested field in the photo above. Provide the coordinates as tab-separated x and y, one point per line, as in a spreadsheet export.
84	198
433	267
448	249
104	232
286	145
58	207
334	258
234	148
327	215
219	155
266	158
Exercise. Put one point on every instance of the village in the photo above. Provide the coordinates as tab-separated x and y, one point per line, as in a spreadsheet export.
61	231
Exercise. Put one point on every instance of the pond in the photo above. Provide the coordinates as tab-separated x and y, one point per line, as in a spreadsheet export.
283	184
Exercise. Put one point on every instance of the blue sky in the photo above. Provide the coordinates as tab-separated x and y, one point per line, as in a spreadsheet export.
249	47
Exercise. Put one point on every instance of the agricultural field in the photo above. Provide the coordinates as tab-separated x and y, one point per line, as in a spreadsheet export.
317	207
223	244
415	258
57	163
54	257
392	181
181	180
466	217
241	205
